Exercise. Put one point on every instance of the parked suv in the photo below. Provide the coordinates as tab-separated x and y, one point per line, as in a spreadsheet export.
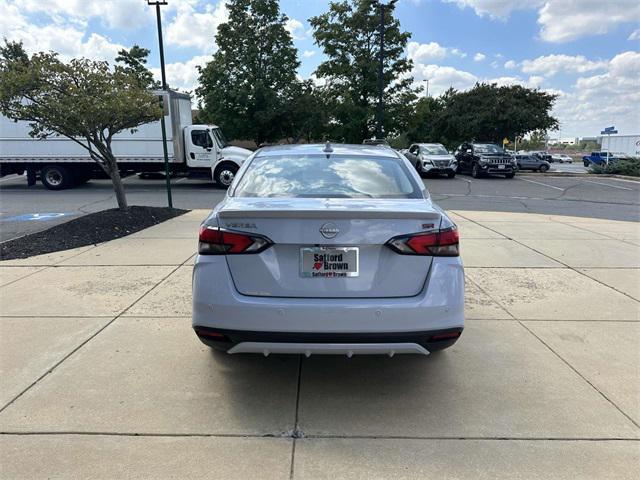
485	158
432	158
532	162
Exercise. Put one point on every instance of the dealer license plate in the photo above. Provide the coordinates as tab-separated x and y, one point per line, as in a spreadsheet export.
500	167
329	262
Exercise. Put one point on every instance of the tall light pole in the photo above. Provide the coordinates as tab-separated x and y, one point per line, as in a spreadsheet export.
167	173
380	110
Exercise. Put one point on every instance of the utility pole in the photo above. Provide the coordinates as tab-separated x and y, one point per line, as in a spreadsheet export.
380	110
167	173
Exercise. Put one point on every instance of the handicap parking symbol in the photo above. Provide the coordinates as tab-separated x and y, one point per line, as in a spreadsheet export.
36	217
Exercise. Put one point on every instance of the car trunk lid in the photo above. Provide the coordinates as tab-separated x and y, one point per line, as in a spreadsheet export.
348	225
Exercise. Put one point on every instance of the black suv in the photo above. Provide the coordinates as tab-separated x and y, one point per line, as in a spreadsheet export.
483	159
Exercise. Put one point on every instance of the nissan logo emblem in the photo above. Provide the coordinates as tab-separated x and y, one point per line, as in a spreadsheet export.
329	230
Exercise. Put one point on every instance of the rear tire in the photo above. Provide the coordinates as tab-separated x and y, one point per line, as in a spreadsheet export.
509	175
543	168
225	173
56	177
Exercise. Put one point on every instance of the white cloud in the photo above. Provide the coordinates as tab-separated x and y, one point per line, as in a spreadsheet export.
531	82
505	81
496	8
424	52
67	40
550	65
510	64
535	81
635	35
443	77
478	57
565	20
317	81
420	52
295	28
118	14
191	28
562	20
457	53
183	75
308	53
613	94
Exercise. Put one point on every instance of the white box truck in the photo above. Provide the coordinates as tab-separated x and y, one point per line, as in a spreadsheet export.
628	145
61	163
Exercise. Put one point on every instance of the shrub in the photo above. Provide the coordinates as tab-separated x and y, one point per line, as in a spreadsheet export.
630	167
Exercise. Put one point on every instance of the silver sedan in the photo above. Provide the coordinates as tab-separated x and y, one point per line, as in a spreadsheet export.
328	249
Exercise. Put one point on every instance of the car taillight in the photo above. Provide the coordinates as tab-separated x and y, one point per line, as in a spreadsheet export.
216	241
443	243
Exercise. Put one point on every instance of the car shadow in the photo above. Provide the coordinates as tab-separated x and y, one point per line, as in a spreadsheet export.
322	387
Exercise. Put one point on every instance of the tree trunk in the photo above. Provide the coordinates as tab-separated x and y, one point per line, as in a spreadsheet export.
118	187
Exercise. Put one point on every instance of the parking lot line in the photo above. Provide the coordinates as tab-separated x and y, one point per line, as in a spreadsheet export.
464	179
540	183
607	185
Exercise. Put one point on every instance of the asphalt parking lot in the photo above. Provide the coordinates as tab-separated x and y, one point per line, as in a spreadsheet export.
25	210
102	376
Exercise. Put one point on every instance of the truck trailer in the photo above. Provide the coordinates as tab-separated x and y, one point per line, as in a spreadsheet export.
61	163
628	145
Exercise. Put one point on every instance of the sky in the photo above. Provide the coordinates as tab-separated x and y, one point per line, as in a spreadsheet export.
585	51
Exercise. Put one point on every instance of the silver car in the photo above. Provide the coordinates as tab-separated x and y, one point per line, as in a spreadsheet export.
328	249
432	158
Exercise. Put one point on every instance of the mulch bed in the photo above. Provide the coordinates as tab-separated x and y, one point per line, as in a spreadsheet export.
87	230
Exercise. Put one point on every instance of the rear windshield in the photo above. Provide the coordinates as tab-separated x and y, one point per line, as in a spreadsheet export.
316	176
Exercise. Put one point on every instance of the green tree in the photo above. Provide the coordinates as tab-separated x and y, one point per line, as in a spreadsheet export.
83	100
488	112
134	62
349	36
306	115
421	123
246	87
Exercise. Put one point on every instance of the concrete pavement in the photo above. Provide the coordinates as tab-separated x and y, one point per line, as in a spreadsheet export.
103	378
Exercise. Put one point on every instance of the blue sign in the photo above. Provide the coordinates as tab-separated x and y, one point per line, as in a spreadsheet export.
36	217
609	132
609	129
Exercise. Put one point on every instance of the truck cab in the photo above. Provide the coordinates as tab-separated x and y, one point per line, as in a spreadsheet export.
206	149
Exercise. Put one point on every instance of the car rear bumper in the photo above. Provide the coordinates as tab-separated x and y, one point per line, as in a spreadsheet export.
218	305
390	343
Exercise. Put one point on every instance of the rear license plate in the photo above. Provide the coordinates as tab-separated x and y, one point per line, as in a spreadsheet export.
329	262
500	167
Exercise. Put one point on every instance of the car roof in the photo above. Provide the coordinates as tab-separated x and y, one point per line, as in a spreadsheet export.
320	149
429	144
